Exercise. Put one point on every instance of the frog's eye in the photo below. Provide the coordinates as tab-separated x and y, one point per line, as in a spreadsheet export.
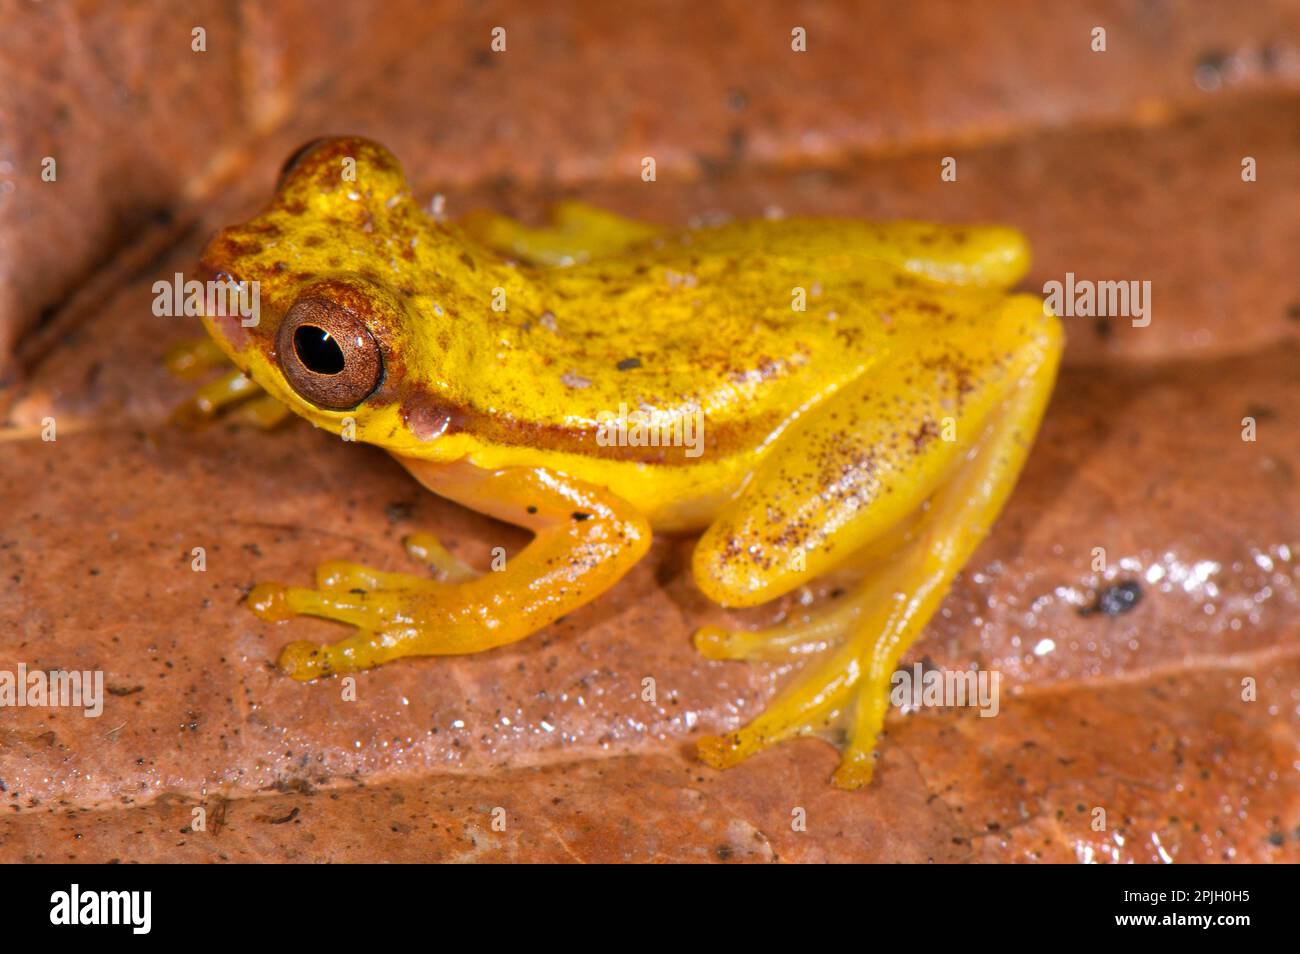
328	355
296	159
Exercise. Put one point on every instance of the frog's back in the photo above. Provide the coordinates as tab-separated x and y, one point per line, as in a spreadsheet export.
745	324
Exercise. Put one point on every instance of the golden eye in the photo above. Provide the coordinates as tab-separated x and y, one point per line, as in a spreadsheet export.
328	355
296	159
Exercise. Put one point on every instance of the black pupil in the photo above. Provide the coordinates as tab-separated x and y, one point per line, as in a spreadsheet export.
317	350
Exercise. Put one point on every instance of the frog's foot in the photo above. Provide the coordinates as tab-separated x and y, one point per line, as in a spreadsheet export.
231	391
576	232
585	540
843	694
387	609
844	679
846	687
191	359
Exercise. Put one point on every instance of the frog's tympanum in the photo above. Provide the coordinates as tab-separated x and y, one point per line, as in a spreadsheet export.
813	395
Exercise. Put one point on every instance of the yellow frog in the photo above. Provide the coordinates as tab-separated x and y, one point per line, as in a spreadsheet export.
810	393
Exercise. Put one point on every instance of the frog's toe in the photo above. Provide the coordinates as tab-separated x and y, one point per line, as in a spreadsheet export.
387	609
856	768
346	576
445	565
232	390
345	604
262	411
193	357
800	636
304	661
842	693
269	602
811	705
395	615
834	698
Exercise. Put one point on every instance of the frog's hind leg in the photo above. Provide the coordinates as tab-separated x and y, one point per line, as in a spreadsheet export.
576	232
822	627
585	540
866	634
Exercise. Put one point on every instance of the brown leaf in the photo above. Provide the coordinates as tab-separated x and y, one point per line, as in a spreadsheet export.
544	751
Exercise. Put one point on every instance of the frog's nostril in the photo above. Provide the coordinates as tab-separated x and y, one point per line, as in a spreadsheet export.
317	350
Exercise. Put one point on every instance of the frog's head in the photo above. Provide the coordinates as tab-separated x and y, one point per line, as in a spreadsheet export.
346	269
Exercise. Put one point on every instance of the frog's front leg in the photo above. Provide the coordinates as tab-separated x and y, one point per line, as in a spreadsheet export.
586	539
233	389
855	473
576	232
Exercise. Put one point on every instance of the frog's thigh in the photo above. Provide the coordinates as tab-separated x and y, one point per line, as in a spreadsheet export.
875	625
585	540
855	468
576	232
